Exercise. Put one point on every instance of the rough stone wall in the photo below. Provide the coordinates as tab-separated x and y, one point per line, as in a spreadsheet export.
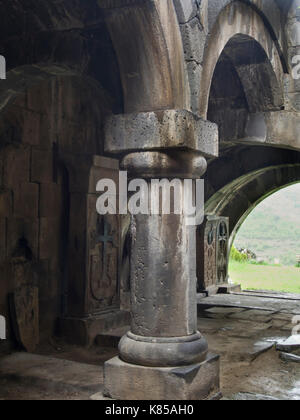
43	130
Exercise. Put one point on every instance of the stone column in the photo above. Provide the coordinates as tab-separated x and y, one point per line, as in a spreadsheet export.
163	356
163	273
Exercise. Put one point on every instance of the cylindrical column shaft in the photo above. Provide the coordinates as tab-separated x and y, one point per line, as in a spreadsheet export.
163	276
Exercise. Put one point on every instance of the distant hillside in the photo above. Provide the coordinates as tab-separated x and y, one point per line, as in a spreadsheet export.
272	230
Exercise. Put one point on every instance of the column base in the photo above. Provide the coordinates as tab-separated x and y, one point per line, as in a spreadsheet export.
163	351
124	381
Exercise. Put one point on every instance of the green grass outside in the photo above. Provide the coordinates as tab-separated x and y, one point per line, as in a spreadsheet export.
256	277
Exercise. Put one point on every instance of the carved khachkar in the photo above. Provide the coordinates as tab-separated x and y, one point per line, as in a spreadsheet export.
212	252
103	278
94	269
24	312
222	251
103	248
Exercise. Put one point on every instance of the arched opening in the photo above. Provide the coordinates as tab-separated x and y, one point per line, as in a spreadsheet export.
265	252
237	25
240	194
244	84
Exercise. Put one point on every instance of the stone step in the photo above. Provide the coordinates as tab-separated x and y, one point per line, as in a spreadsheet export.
269	294
246	301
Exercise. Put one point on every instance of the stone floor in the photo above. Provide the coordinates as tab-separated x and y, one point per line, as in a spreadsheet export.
243	328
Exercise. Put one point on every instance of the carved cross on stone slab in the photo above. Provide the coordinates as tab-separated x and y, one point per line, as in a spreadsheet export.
105	238
104	258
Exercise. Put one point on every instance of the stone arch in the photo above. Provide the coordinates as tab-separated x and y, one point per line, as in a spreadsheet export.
243	87
197	21
147	41
242	195
236	19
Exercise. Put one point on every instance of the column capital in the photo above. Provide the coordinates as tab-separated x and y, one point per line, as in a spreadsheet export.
163	131
174	164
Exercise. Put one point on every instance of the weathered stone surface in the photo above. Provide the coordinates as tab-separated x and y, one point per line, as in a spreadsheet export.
246	396
292	343
163	351
5	203
228	288
18	229
151	77
157	284
177	165
254	315
212	252
103	236
19	160
193	38
287	357
50	230
25	312
2	238
52	373
161	130
84	331
185	10
251	302
221	312
154	63
42	166
194	73
31	127
124	381
50	199
26	200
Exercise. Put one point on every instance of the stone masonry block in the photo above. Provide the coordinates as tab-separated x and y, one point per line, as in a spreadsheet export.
2	238
16	166
49	237
42	166
124	381
161	130
26	200
31	127
18	228
194	39
185	9
50	200
5	203
195	73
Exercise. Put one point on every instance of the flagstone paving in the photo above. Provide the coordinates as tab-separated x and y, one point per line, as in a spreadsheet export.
244	329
